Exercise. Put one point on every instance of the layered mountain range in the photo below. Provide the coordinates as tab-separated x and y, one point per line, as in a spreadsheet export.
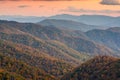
51	48
99	20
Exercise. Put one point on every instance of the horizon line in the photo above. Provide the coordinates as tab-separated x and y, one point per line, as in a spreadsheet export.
60	14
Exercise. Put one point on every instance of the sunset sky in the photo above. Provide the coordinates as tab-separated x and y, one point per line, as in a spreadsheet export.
53	7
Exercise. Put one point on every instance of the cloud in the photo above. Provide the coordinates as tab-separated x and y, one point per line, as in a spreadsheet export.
23	6
41	6
42	0
73	9
110	2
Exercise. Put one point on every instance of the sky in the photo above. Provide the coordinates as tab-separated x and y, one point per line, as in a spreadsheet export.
55	7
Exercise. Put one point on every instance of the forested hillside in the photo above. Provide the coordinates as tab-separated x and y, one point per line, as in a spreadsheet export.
35	52
99	68
13	69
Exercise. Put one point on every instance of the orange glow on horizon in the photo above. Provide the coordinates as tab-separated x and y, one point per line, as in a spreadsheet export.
48	8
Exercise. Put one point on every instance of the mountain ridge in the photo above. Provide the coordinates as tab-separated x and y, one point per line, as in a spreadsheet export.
105	67
99	20
68	24
70	38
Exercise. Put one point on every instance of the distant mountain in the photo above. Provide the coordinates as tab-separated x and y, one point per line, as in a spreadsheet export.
68	24
114	29
64	17
99	68
109	37
96	20
99	20
32	19
69	38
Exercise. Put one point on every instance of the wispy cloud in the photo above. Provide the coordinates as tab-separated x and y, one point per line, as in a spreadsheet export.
73	9
41	6
110	2
42	0
23	6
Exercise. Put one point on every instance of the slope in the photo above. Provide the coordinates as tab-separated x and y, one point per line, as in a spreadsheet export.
99	68
99	20
15	69
109	37
68	24
36	58
43	33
